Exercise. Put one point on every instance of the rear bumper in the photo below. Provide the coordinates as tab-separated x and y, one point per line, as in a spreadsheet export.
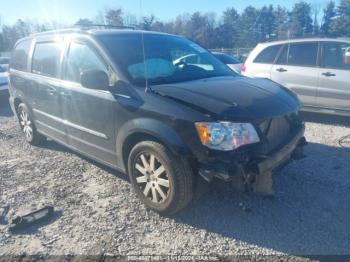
291	150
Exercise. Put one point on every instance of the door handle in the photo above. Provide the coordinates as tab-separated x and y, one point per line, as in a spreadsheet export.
52	90
281	70
328	74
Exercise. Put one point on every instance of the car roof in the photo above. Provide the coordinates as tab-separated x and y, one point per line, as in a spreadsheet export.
313	39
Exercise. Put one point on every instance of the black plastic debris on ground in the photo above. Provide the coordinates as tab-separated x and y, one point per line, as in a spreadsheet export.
3	213
5	136
37	218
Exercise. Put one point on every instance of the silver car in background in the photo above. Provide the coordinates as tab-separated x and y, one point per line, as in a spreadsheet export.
316	69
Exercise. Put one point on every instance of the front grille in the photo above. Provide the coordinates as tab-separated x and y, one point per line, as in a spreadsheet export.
276	132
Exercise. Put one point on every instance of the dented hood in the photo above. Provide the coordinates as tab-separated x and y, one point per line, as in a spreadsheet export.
233	98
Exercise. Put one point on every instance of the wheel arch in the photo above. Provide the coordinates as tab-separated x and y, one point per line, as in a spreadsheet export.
138	130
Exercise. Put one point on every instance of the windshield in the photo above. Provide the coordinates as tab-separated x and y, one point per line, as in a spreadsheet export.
168	59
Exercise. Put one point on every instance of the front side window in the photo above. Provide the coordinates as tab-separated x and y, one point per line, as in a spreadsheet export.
20	55
81	58
268	55
303	54
162	59
336	55
46	59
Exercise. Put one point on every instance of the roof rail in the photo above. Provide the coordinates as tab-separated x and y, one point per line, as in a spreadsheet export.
91	26
301	38
81	28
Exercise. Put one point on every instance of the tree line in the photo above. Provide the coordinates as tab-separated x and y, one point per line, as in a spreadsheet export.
229	30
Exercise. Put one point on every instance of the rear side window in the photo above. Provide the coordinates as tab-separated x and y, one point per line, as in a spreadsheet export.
268	55
303	54
46	59
20	55
336	55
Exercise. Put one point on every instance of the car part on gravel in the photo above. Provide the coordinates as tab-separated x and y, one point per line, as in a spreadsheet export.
22	222
3	213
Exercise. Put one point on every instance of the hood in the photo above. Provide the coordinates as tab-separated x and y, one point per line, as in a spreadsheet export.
233	98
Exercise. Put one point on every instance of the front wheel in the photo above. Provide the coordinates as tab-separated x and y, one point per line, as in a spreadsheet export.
26	122
163	181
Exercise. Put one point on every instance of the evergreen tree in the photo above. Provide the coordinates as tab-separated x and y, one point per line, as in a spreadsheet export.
340	26
301	21
328	16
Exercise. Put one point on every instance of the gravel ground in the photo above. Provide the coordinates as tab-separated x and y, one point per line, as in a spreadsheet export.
98	212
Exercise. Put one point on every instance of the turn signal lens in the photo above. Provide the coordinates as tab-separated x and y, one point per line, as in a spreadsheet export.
203	132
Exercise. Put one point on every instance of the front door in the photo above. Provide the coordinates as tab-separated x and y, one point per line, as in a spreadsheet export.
334	76
88	113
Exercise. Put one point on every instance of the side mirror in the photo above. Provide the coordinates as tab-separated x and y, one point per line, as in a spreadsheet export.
94	79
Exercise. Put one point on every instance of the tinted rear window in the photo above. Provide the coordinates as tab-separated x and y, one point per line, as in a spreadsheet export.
46	59
336	55
304	54
268	55
20	55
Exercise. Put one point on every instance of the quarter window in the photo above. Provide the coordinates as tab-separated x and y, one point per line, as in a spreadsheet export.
20	55
268	55
46	59
81	58
336	55
304	54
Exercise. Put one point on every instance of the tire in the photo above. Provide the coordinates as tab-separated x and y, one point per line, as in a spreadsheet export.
166	186
28	128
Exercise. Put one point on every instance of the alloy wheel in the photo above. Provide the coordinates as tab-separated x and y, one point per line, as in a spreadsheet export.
152	178
26	124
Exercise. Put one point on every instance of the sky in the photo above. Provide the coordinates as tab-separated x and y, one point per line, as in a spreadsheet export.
69	11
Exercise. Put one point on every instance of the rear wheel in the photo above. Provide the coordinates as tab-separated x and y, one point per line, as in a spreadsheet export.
26	122
161	180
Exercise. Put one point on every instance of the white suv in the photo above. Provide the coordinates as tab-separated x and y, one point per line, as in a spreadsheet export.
316	69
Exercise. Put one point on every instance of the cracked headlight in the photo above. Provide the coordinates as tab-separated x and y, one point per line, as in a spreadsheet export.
226	136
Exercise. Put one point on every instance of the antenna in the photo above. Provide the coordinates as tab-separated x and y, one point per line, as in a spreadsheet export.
143	49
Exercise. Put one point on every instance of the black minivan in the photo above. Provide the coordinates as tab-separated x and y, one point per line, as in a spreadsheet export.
127	99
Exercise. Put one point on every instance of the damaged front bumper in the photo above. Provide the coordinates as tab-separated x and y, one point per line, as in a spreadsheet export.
291	150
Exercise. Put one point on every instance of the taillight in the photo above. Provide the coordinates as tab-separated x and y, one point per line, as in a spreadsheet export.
243	68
